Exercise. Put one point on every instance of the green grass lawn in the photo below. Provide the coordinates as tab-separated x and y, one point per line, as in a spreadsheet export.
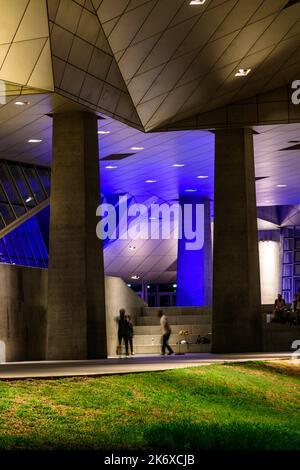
238	406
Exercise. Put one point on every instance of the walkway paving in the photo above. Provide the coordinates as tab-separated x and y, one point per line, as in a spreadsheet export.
133	364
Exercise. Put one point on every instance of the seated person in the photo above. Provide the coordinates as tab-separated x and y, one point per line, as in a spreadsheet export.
280	309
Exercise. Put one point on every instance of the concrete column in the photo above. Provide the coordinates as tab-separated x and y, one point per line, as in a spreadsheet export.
76	306
194	267
236	283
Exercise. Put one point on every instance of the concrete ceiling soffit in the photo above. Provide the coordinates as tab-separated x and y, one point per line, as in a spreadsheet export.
25	55
273	107
85	69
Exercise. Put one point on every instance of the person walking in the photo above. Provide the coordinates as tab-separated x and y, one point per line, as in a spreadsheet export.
130	333
166	333
123	328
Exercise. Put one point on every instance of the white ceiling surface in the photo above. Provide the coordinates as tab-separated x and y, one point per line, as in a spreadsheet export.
179	60
194	149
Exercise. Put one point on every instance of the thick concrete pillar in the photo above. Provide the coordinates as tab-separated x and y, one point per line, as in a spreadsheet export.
236	284
194	266
76	305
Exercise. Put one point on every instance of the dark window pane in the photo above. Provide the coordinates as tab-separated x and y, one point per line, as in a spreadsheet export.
22	185
7	213
8	185
297	269
35	184
45	178
19	210
3	198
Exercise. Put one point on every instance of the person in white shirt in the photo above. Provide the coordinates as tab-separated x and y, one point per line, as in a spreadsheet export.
166	333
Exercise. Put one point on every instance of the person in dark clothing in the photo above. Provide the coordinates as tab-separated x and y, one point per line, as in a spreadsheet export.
130	333
123	329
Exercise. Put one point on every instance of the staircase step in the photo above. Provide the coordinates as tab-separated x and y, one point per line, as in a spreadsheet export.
144	340
176	320
176	311
202	328
156	349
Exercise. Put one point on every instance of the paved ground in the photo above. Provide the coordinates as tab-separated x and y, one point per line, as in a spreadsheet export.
51	369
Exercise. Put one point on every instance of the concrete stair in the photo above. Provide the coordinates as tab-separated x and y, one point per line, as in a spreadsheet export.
195	320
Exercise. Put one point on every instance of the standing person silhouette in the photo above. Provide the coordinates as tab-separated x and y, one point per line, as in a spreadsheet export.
130	333
123	328
166	333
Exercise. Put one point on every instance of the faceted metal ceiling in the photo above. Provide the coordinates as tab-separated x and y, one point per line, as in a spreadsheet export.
151	63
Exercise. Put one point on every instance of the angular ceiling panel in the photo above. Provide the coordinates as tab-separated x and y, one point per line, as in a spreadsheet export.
149	62
42	73
34	23
21	61
25	56
10	18
147	37
85	69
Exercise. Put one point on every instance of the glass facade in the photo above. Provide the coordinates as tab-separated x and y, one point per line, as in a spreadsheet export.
290	243
25	246
23	187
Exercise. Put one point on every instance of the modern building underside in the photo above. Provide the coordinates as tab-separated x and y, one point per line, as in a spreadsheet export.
152	102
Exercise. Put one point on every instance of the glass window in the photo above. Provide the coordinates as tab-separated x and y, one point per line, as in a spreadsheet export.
19	209
288	257
286	283
7	213
11	250
45	178
35	184
297	269
288	244
22	185
3	198
9	186
287	270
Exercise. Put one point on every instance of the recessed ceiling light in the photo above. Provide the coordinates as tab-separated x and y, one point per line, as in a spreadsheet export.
103	132
129	285
111	167
191	190
202	177
135	277
152	218
29	199
281	185
136	148
21	103
151	181
35	141
243	72
197	2
178	165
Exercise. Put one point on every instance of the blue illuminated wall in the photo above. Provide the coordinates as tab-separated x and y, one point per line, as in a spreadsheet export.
194	268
